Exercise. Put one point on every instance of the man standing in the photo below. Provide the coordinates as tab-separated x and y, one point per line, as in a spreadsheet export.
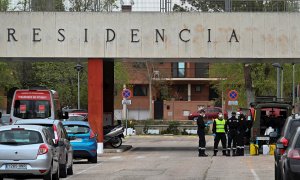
241	130
201	134
219	130
232	125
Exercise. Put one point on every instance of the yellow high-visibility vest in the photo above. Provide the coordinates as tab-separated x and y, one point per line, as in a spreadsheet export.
220	126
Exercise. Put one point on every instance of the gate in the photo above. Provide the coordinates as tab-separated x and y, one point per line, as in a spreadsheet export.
158	109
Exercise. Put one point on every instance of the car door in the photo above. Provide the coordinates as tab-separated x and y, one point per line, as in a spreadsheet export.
67	144
54	151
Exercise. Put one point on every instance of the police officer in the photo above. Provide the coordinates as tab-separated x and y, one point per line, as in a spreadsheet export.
241	130
201	134
219	130
232	125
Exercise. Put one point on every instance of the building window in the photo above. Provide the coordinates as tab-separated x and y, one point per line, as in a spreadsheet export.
198	88
140	90
201	70
178	70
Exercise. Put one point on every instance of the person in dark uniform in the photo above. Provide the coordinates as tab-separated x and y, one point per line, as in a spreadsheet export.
241	130
232	125
201	134
220	130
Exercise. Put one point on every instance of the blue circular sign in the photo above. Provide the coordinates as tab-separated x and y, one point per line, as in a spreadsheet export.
233	94
126	93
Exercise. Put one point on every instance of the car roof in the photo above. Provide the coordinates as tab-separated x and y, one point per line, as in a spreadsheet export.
27	127
76	123
36	121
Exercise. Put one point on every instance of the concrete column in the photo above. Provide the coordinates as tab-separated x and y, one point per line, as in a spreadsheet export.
95	99
189	92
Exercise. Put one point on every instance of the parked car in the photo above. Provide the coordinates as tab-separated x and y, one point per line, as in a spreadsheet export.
75	117
290	160
27	150
289	128
59	133
5	120
210	113
85	144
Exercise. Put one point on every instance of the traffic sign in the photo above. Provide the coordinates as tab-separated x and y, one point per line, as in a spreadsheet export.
126	93
126	101
233	95
233	103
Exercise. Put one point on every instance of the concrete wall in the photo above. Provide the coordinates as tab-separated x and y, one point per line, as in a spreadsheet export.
186	35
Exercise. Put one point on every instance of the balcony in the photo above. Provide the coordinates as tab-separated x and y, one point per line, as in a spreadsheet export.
180	73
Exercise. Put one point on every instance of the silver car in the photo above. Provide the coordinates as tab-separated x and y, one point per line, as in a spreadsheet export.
62	141
27	150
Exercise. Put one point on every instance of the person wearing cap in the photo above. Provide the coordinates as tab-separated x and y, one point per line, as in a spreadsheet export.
220	130
232	124
241	130
201	134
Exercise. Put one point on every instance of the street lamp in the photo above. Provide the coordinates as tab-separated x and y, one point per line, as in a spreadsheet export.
78	68
279	67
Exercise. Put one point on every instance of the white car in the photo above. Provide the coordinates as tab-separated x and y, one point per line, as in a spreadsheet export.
26	151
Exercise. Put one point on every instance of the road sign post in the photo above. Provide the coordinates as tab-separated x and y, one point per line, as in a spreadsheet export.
126	94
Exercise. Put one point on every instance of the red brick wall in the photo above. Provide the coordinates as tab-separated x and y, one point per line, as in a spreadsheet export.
176	108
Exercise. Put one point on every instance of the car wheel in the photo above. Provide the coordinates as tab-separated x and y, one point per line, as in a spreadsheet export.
48	176
117	142
63	170
70	170
93	159
56	175
195	118
1	177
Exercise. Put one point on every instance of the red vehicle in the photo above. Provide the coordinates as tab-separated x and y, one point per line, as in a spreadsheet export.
210	113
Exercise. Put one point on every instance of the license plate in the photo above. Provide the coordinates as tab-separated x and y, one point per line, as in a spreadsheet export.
16	166
77	140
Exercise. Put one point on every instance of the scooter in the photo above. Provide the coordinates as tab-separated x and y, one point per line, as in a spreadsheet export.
113	135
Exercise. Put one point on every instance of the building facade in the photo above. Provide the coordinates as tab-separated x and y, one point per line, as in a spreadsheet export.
166	90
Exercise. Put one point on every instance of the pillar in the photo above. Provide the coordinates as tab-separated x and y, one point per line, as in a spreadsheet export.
95	99
189	92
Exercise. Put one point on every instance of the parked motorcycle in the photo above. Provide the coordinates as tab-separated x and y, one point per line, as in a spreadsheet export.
113	135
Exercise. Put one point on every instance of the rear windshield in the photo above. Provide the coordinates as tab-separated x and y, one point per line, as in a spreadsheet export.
77	118
293	125
77	129
32	109
20	137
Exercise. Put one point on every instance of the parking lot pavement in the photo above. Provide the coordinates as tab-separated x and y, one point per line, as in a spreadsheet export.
173	157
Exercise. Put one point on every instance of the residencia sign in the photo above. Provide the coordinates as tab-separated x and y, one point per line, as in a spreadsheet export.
149	35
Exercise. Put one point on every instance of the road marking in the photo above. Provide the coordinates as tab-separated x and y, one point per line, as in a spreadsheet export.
115	157
80	172
254	174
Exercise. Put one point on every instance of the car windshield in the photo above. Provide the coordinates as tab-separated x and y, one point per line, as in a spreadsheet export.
77	129
5	120
297	146
32	109
20	137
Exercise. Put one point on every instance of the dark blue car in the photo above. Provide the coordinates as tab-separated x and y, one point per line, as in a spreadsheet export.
85	144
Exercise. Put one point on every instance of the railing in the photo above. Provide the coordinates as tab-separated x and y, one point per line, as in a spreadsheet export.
161	73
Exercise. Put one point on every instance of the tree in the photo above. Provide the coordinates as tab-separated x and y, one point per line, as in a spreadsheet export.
92	5
4	5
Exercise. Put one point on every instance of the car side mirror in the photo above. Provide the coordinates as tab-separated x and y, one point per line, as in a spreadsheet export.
273	134
280	146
